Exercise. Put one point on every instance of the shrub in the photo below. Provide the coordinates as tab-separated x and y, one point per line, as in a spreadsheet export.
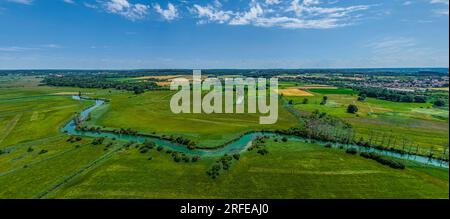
390	163
236	156
328	145
98	141
149	144
284	139
362	98
43	151
177	158
369	155
439	103
160	148
324	100
195	158
352	108
382	160
70	139
144	150
186	159
351	151
263	151
420	99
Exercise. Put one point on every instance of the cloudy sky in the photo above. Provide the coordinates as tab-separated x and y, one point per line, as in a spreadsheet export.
136	34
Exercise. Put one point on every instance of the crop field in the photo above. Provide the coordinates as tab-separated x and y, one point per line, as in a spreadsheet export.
290	170
30	114
294	92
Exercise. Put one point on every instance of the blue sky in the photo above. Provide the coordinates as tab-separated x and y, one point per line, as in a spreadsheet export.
136	34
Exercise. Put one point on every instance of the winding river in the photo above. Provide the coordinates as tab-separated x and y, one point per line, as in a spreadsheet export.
237	146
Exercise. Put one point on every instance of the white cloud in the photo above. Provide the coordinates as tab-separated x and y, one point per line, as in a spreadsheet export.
87	5
25	2
273	2
69	1
169	14
16	49
401	51
253	14
439	2
126	9
441	11
25	49
294	14
210	13
406	3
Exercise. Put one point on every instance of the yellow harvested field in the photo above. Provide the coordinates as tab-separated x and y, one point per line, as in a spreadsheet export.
164	77
294	92
440	88
163	84
316	87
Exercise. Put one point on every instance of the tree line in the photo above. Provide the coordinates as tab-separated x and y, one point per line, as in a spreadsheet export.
391	95
95	81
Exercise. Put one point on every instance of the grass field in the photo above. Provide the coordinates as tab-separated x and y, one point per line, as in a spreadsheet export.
420	124
155	116
33	113
290	170
25	174
37	161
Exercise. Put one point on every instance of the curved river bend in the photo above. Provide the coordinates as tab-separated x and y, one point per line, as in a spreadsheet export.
237	146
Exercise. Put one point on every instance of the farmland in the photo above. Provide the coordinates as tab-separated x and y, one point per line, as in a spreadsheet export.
207	130
37	160
307	166
406	120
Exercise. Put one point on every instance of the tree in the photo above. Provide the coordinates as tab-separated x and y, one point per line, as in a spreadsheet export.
305	101
362	97
407	98
439	103
420	99
324	100
352	108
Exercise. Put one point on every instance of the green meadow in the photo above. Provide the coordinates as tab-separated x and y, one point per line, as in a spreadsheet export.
419	124
290	170
150	113
37	161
